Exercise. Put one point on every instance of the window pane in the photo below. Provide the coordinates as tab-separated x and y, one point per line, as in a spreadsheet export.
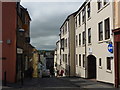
99	4
107	29
76	59
88	10
79	19
76	40
79	59
106	1
76	21
83	60
66	58
79	39
84	37
100	62
108	63
89	35
83	15
100	28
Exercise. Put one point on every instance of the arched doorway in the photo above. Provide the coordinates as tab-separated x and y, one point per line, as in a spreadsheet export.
91	66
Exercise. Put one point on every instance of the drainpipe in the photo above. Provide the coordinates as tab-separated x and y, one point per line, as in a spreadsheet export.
60	48
116	80
85	47
17	6
69	47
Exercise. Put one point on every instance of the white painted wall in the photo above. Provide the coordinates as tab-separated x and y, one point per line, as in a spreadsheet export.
99	49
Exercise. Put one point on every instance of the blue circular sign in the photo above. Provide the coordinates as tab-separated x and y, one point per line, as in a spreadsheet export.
110	48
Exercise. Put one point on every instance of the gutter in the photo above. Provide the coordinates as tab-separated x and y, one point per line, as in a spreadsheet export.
85	47
16	38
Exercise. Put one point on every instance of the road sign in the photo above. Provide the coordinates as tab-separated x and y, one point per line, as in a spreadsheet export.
19	50
110	48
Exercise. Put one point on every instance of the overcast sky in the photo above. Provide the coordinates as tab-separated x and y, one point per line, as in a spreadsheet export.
47	17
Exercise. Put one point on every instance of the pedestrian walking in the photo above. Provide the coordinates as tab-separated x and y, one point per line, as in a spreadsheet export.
30	70
57	73
61	74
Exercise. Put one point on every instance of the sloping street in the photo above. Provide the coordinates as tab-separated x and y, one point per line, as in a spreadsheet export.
59	44
53	83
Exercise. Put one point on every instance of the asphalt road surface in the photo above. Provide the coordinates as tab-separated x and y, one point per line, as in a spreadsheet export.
61	83
43	84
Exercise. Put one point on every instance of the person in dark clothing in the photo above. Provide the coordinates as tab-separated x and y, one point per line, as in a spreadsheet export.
30	71
61	74
57	72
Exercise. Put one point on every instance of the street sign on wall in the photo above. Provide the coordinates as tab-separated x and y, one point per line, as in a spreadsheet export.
1	41
110	48
19	50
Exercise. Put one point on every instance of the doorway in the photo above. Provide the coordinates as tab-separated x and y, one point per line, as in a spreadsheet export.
91	67
118	48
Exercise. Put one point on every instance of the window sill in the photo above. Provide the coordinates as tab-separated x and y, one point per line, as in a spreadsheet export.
76	46
88	18
80	66
109	71
83	68
76	65
89	44
99	42
104	41
83	22
103	7
100	67
83	45
80	25
107	40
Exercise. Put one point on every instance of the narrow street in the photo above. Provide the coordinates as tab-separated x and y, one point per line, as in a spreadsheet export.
53	83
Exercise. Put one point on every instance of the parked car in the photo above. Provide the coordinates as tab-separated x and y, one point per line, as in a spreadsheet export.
46	73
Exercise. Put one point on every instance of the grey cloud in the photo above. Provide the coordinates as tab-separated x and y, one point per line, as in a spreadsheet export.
46	21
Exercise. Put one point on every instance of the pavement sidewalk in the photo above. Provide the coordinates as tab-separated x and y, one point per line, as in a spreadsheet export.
87	83
26	83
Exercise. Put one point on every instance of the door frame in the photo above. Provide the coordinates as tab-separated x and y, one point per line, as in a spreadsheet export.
95	62
116	33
